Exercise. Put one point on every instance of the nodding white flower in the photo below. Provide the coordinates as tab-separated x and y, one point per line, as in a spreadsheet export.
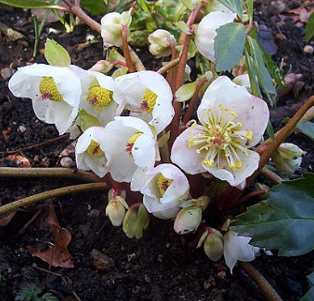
89	154
100	97
116	207
148	96
206	32
55	92
232	121
132	145
111	27
288	158
238	248
165	187
160	41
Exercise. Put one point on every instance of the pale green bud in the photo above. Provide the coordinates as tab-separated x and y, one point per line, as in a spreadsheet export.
115	210
87	120
135	221
288	158
186	91
188	219
213	245
102	66
160	41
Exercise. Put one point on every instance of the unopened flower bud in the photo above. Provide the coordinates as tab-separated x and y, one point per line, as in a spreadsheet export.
135	221
288	158
188	219
203	202
115	210
213	245
111	27
160	41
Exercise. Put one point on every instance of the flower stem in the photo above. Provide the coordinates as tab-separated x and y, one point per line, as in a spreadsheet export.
168	66
193	100
126	51
18	172
248	196
259	279
270	175
34	199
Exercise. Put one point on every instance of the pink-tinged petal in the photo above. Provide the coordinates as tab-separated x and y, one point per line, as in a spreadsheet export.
122	167
186	157
252	111
237	176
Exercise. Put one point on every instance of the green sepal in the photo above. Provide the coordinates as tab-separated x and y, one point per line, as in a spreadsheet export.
56	55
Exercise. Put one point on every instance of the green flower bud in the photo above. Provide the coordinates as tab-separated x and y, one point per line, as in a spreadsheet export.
188	219
213	245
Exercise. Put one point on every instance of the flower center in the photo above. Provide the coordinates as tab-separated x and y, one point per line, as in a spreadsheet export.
221	138
163	183
48	89
99	97
94	149
129	145
149	100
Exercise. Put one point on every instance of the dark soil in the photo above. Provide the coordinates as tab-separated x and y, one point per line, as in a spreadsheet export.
158	266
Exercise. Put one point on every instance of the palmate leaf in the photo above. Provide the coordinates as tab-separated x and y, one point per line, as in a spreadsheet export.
234	5
285	221
229	44
29	4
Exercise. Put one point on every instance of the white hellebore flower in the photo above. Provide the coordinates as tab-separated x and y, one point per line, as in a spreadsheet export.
55	92
232	120
160	42
165	187
111	28
132	145
147	94
116	207
100	97
206	32
89	154
238	248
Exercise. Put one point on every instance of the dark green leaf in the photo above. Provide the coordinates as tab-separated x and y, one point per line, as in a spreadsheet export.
249	4
309	28
309	296
95	7
270	130
29	4
307	128
234	5
262	73
229	44
285	221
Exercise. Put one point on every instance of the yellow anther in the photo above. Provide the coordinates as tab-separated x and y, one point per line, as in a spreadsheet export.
149	100
130	143
234	114
227	109
163	183
99	97
221	106
208	163
48	89
238	164
94	149
249	135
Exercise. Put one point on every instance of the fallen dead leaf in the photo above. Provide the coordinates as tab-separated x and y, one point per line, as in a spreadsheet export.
18	161
4	220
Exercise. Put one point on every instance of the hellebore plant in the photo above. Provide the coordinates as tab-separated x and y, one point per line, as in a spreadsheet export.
188	152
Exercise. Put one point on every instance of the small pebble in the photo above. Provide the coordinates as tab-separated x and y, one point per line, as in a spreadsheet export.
222	275
66	162
22	128
308	49
89	38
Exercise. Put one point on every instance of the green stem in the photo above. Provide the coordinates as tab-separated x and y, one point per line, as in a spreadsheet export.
34	199
18	172
270	175
168	66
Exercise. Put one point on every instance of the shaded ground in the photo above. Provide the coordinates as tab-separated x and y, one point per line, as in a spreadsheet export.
157	267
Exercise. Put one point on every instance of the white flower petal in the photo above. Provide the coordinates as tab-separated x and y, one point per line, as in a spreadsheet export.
144	151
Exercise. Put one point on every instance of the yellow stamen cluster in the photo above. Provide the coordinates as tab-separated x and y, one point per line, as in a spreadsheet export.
220	139
94	149
149	100
130	143
48	89
163	183
99	97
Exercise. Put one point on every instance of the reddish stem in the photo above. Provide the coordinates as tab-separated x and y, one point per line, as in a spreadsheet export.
119	63
248	196
126	51
192	102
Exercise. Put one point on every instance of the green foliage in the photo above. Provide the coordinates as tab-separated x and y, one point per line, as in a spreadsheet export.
29	3
309	296
56	55
95	7
285	221
260	70
309	28
234	5
307	128
31	292
229	44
